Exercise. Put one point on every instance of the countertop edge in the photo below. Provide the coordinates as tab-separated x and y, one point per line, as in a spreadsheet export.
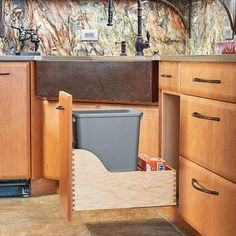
177	58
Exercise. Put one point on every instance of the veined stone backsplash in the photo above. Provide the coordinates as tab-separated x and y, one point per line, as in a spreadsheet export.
62	20
209	19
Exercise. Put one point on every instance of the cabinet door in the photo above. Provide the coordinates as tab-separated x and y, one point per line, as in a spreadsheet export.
65	144
14	120
210	213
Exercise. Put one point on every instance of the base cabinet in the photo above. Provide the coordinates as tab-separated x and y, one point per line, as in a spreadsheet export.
207	201
14	120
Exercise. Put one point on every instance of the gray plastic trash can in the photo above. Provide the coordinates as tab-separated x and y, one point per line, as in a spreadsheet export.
112	135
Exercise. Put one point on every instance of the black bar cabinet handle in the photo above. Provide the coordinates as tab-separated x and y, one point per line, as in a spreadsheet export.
199	116
210	81
60	108
166	76
194	181
4	73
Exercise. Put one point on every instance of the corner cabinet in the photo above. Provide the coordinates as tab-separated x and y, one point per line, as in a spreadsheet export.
14	120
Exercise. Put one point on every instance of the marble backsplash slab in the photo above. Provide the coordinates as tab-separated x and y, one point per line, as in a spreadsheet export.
62	20
209	20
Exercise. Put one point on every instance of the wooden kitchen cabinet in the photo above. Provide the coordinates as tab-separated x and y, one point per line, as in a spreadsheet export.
198	123
14	120
207	212
208	134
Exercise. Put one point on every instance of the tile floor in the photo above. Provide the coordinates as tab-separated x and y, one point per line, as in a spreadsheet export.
38	216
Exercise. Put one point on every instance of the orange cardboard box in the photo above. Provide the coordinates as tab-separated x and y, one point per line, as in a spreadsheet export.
147	163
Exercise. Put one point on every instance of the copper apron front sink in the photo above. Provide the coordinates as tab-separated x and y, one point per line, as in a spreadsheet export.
115	81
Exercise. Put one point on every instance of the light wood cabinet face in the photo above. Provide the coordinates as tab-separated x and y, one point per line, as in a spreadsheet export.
210	143
169	76
211	215
14	120
209	80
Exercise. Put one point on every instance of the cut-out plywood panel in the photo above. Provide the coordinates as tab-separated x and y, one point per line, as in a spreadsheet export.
94	187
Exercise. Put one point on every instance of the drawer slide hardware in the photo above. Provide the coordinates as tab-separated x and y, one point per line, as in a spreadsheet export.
209	81
4	73
199	116
166	76
194	181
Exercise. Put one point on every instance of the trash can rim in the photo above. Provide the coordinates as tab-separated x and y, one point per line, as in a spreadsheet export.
106	113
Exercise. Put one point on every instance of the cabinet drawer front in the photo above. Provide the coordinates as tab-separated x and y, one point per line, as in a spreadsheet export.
14	120
210	80
208	213
169	76
208	134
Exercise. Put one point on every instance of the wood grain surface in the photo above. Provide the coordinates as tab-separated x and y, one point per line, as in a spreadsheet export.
211	144
224	72
169	76
211	215
14	120
96	188
36	118
65	147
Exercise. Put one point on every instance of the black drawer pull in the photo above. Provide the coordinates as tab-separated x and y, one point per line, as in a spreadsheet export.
194	181
199	116
166	76
209	81
61	108
4	73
